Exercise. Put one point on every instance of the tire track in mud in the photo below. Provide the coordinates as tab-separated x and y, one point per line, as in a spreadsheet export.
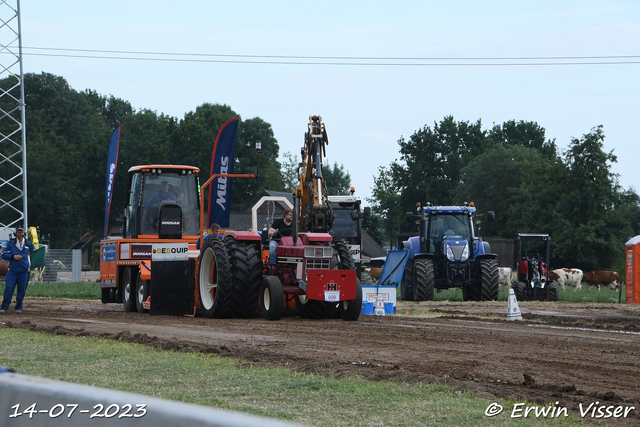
566	353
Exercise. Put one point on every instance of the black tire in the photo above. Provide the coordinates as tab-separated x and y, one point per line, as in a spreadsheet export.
128	289
314	309
342	257
214	279
553	293
406	287
108	295
142	293
247	277
424	279
489	280
518	289
350	310
271	298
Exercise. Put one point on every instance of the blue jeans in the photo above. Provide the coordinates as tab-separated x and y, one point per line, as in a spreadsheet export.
15	278
273	244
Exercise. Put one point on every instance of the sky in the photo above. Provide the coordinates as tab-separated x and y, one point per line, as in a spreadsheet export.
376	71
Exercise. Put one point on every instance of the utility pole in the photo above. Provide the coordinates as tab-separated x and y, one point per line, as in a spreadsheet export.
13	137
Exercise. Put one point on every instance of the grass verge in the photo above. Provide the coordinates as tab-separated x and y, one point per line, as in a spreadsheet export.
222	383
77	290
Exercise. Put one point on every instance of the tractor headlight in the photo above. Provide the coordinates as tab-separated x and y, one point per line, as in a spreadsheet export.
457	252
450	255
465	253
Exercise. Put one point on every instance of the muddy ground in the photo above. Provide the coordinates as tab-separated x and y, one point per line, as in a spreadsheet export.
560	352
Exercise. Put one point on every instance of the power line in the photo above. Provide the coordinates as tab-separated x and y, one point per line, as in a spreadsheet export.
341	60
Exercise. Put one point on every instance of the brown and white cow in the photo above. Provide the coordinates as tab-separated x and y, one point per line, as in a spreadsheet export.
504	276
604	278
567	277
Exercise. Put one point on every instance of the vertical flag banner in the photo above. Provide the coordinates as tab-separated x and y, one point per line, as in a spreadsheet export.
112	161
222	160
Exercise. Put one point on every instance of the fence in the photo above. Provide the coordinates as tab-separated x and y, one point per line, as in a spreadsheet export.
63	265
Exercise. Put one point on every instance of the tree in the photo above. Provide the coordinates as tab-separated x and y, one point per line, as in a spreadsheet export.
591	223
338	180
290	174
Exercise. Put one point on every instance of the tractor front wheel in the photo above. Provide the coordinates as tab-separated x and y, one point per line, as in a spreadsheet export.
350	310
518	289
489	280
406	287
142	293
128	289
271	298
424	280
553	292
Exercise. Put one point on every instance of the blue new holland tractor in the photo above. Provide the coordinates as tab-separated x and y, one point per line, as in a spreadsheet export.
447	254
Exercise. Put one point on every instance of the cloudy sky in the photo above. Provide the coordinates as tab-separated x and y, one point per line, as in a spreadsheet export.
375	71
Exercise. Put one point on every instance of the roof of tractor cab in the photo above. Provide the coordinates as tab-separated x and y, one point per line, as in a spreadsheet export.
167	167
449	209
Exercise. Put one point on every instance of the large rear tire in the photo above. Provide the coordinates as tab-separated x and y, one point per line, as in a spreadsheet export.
350	310
424	279
489	280
271	298
406	287
128	289
247	277
214	279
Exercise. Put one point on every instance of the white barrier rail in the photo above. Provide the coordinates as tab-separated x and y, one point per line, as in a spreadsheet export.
34	402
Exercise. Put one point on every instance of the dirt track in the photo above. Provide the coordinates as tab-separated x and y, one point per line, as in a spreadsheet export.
561	352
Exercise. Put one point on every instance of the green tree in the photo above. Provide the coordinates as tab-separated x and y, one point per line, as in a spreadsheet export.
591	224
290	173
337	179
244	189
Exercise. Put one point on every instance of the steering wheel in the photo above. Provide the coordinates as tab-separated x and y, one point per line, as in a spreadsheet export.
283	233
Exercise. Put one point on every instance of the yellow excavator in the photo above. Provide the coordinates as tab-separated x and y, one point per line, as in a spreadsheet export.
319	212
315	211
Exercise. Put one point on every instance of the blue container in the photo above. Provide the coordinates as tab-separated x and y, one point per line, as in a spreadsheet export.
367	308
389	308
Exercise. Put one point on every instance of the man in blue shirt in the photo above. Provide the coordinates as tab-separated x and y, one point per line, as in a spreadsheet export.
17	253
162	195
153	205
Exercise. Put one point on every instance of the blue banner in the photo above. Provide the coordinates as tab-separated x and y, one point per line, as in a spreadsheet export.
224	152
112	161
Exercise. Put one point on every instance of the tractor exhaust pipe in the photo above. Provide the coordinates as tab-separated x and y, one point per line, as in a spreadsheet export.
294	223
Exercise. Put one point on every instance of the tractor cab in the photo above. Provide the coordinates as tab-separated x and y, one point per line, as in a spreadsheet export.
162	201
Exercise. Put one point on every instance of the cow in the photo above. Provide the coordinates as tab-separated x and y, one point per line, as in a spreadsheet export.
4	267
604	278
504	276
374	272
567	277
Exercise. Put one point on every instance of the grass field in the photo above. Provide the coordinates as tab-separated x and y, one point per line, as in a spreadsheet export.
90	290
229	384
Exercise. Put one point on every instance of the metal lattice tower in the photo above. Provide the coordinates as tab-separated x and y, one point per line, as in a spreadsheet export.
13	155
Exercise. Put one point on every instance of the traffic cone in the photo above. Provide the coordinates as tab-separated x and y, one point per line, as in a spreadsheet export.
513	310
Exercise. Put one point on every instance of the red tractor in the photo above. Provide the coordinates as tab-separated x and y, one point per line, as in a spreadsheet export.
312	274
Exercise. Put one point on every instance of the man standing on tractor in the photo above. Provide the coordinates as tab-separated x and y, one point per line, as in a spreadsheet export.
277	230
17	253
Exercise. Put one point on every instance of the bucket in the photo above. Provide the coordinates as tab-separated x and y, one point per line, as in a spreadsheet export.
367	308
389	308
